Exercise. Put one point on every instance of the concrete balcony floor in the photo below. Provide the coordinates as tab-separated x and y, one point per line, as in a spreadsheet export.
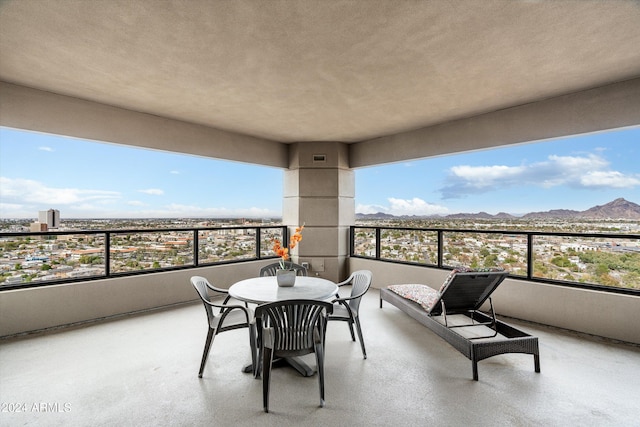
142	370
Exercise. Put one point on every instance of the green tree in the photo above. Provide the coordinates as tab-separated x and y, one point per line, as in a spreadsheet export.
561	261
539	268
602	269
491	260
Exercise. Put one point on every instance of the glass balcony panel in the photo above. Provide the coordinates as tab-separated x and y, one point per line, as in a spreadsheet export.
486	250
590	260
267	236
364	242
405	245
132	252
226	244
43	258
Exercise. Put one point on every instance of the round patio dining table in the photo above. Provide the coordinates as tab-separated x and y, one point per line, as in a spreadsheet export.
259	290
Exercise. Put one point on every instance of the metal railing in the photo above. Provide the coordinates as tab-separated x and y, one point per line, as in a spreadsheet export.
609	262
47	258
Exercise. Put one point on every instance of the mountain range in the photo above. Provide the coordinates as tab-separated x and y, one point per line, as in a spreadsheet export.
617	209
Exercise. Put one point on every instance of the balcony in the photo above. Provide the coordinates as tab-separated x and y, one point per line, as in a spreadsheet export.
142	370
317	91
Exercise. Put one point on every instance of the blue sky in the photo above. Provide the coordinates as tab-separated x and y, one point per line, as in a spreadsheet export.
565	173
86	179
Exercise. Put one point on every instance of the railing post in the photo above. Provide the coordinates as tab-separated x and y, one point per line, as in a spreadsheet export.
378	242
529	255
440	248
258	241
196	247
107	254
285	236
352	238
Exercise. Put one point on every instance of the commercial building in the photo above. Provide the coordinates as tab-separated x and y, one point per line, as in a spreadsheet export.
50	217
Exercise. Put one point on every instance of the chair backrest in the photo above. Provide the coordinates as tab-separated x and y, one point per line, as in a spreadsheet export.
360	284
200	283
270	270
468	291
295	325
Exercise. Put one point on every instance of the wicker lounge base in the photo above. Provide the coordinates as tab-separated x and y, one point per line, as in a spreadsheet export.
508	340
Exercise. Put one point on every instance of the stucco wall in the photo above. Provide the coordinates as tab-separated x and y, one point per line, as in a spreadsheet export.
34	309
608	107
30	109
605	314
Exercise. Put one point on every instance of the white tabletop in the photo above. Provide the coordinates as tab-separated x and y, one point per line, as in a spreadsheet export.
259	290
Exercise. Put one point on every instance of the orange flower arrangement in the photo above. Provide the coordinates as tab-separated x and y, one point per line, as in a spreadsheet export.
283	253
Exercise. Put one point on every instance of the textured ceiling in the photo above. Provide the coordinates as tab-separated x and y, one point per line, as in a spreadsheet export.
312	70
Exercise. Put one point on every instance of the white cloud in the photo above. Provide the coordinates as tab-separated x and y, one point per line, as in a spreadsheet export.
174	172
370	209
415	206
10	206
188	211
485	176
197	211
152	191
22	198
611	179
43	148
573	171
16	210
26	191
577	164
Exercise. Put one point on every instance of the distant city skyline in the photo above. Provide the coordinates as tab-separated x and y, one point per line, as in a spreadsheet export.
88	179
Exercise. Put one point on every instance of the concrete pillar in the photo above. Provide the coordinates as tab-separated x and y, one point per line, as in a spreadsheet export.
319	191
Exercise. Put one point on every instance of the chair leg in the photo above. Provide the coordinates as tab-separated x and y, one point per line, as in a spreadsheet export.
205	355
259	352
364	352
267	359
353	337
253	348
319	350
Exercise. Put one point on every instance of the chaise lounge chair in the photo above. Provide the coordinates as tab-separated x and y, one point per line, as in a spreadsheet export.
454	314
